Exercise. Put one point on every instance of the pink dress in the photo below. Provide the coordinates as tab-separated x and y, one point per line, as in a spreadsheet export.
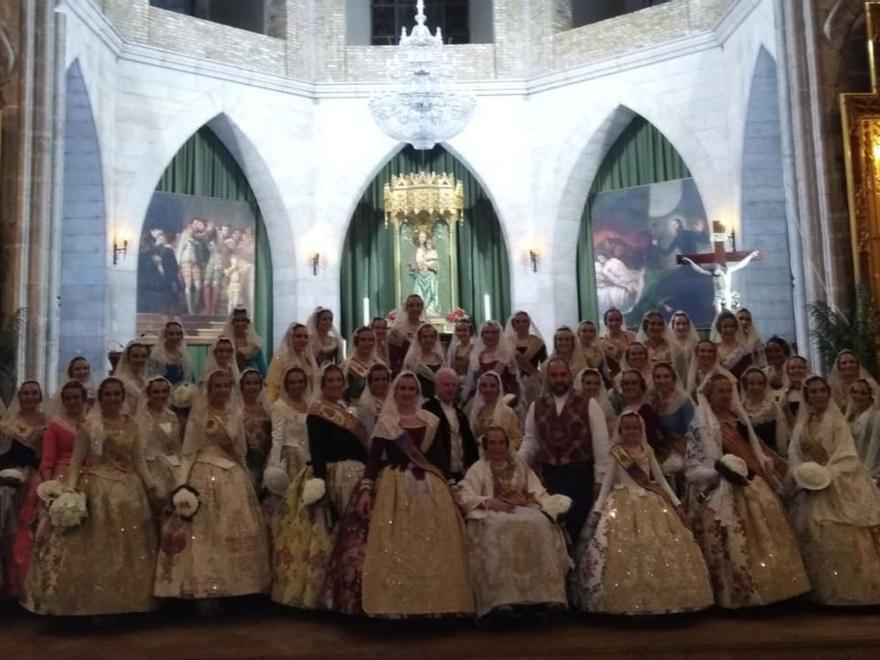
58	442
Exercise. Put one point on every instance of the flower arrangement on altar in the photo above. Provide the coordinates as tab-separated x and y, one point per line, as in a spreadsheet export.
68	509
456	315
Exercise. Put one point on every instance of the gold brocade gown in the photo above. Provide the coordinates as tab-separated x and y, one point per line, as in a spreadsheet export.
223	550
105	565
640	558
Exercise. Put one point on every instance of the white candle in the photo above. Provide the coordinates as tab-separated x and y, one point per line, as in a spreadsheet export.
367	312
487	307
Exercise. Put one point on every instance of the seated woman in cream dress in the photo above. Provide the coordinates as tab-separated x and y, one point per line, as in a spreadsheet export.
835	506
637	555
290	450
517	555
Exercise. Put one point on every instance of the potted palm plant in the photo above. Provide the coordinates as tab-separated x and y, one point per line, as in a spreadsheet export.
11	329
858	330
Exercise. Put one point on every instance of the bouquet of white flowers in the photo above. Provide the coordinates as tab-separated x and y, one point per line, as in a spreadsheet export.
556	505
183	395
733	469
812	476
186	501
276	480
313	491
12	477
68	509
47	491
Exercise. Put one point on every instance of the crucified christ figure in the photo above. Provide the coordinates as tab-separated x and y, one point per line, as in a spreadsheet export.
722	280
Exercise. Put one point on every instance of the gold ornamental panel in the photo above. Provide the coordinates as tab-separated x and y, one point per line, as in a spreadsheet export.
423	198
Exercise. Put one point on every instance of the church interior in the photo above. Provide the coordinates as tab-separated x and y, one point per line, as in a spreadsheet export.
490	190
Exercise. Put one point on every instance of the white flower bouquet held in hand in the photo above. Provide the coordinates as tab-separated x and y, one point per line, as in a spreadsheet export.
12	477
313	491
812	476
186	502
68	509
183	395
556	506
276	480
47	491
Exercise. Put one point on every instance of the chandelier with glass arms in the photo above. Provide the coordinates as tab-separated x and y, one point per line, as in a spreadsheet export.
421	106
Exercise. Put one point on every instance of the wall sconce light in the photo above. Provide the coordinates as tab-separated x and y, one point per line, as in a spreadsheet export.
316	263
119	248
534	257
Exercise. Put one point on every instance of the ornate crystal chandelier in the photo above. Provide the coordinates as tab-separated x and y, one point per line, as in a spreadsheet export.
421	107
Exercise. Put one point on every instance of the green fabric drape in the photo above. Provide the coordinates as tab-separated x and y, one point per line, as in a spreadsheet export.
204	166
641	155
368	257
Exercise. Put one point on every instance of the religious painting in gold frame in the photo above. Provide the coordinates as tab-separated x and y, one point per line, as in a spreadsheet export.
424	209
860	114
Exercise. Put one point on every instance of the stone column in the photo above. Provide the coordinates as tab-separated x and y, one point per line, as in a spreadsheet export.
31	199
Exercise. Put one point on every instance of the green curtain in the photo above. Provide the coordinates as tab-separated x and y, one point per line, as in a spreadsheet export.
640	156
368	256
204	166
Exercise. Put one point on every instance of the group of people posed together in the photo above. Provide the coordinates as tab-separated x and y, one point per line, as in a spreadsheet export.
617	472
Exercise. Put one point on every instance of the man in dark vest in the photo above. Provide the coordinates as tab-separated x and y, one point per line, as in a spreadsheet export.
454	433
566	443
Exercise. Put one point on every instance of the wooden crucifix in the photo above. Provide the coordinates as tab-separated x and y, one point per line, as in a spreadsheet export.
720	265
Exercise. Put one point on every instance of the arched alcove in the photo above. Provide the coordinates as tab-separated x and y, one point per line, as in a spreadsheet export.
370	262
203	246
766	285
83	307
642	210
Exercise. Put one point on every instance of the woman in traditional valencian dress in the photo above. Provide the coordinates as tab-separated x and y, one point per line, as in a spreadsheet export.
293	351
565	347
633	397
248	344
656	337
221	357
588	341
767	418
425	357
734	354
257	425
531	352
162	436
21	434
289	452
368	407
637	555
325	340
749	545
458	357
169	357
704	364
58	444
132	371
591	384
776	353
835	506
490	409
751	336
305	527
415	558
792	395
220	550
379	326
675	412
79	370
105	564
516	553
863	416
848	369
359	363
403	330
614	340
684	337
493	352
635	358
